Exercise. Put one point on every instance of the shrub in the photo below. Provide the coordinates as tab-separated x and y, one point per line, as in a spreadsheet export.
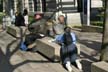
1	16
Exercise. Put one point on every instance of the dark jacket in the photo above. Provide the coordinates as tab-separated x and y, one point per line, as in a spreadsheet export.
37	26
19	21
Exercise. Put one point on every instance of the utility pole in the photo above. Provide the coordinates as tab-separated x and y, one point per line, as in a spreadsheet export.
88	12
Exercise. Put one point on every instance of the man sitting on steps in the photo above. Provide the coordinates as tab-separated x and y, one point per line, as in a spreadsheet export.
68	52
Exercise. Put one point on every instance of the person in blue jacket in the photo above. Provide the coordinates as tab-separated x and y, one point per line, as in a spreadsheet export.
68	50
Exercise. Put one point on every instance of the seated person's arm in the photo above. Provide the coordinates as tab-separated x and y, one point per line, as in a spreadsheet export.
74	37
59	39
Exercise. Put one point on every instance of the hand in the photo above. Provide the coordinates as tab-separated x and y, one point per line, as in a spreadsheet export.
42	35
52	40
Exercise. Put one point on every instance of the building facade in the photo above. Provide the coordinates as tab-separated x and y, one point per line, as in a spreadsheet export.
71	9
44	5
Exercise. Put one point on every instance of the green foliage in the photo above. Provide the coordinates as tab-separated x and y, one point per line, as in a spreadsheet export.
1	16
97	23
99	17
31	18
101	12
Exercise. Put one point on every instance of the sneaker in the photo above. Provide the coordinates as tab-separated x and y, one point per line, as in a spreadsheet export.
79	65
68	66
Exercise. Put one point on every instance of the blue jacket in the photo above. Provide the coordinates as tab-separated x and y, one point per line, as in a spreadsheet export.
59	38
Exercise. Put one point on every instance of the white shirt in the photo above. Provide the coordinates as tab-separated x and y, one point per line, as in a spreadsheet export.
26	19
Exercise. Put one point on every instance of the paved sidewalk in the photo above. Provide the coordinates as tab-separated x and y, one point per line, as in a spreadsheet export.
14	60
90	47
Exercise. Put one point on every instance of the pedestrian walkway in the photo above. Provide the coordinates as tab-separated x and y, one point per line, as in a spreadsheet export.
90	47
14	60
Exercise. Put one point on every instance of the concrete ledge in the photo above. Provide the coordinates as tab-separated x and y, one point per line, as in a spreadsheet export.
49	49
99	67
14	31
92	29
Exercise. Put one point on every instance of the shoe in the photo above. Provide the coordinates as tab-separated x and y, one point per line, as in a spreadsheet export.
29	49
78	65
68	66
32	49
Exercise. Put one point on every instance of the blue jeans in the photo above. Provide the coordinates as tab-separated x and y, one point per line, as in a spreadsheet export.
68	53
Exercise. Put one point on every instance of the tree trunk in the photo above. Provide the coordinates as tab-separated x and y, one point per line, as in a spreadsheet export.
104	47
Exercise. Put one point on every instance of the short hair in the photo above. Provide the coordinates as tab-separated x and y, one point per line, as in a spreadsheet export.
67	28
25	12
67	36
60	16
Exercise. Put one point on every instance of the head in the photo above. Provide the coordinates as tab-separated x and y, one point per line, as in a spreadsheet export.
38	16
25	12
16	13
61	19
67	30
67	36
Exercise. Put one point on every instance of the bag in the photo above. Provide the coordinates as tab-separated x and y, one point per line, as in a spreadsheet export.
23	46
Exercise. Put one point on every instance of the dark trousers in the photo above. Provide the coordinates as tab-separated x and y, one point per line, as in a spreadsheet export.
31	38
68	53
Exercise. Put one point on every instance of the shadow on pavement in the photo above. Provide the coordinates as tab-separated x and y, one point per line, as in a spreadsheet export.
5	64
89	57
91	44
86	65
